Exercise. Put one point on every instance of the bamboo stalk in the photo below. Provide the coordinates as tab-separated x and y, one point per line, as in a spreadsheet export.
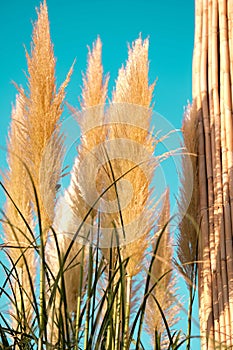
197	104
208	197
217	158
216	112
212	217
227	218
197	51
229	146
205	277
225	60
213	44
230	41
218	212
226	157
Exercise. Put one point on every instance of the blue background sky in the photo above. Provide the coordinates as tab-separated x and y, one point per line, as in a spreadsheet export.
76	24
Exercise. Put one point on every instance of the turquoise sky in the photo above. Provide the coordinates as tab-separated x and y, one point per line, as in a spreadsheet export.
76	24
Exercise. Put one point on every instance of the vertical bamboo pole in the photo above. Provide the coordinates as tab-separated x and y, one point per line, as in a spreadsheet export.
213	99
204	300
226	217
230	41
212	217
196	102
226	138
227	110
208	196
218	211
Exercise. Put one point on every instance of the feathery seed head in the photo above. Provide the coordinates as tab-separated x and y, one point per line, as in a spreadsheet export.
43	108
132	85
17	235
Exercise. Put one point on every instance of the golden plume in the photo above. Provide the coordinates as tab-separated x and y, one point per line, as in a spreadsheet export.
18	214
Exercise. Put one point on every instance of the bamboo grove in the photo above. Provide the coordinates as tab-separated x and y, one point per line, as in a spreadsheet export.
94	266
211	117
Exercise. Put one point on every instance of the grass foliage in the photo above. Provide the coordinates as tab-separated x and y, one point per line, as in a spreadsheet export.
101	320
63	288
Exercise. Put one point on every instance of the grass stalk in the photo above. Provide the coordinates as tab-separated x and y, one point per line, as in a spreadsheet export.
79	299
117	318
89	299
42	319
127	311
190	311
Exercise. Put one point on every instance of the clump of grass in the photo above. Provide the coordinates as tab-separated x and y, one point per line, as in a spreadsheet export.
89	257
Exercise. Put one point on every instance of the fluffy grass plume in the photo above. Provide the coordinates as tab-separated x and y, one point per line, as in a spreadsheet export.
129	157
35	142
132	85
187	237
68	293
129	117
91	121
18	214
188	233
73	207
42	111
163	279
